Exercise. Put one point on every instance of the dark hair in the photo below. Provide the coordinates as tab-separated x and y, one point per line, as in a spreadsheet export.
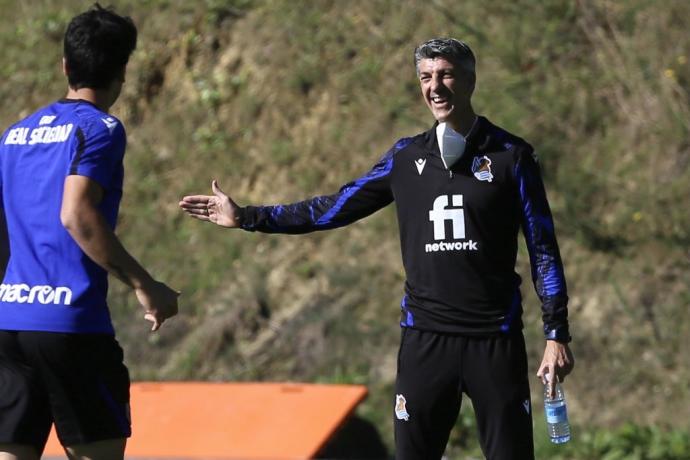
449	48
97	47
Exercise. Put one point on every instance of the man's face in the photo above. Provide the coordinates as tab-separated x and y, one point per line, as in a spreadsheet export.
446	88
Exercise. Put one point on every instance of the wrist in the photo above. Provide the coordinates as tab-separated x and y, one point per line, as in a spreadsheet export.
558	334
142	282
240	214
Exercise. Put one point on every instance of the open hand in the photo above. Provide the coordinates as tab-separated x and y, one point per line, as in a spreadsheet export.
218	208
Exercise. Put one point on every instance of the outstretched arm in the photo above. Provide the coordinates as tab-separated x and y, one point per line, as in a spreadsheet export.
354	201
87	226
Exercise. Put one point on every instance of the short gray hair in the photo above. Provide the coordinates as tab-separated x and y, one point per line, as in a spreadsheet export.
449	48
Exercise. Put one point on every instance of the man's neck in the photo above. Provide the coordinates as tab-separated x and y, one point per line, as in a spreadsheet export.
96	97
463	123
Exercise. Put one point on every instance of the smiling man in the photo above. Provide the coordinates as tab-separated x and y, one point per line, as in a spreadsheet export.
462	191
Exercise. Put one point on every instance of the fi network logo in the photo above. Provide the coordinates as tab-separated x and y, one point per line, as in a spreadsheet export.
442	213
439	214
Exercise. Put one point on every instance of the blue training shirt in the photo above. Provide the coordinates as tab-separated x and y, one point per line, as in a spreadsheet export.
50	284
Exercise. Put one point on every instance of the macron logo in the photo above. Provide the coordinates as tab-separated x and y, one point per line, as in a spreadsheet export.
420	163
43	294
110	122
442	213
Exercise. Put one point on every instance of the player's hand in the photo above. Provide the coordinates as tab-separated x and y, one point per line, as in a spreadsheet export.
218	208
159	302
558	361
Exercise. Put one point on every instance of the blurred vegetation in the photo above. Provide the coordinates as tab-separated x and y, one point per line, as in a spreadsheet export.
282	99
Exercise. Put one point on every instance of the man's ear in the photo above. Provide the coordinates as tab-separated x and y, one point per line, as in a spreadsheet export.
64	66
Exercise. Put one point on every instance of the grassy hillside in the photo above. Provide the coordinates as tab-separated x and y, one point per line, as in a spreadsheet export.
280	100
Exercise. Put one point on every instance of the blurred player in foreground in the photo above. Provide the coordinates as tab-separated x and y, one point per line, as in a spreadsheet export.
61	174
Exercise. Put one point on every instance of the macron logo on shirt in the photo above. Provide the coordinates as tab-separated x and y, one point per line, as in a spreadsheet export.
110	123
43	294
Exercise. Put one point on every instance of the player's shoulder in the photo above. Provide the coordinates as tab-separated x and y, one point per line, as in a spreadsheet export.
501	143
405	143
411	143
501	138
398	146
21	132
93	122
29	120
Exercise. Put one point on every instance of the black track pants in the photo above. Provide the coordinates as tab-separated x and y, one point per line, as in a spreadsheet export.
433	372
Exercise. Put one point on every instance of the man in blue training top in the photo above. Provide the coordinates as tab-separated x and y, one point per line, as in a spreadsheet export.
61	175
462	190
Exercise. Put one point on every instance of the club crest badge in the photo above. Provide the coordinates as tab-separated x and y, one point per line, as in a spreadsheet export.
400	409
481	167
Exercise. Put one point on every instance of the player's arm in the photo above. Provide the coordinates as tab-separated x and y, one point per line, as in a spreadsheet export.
354	201
89	229
546	265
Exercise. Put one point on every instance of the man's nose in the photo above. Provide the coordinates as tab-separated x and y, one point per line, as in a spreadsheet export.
436	82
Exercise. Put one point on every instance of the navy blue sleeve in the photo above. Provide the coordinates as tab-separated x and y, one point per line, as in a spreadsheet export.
545	258
354	201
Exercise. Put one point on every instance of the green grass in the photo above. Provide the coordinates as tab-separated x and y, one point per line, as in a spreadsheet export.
629	442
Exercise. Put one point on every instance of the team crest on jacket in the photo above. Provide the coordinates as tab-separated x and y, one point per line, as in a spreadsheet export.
481	167
400	409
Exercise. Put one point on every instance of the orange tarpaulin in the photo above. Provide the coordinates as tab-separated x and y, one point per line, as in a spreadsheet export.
233	420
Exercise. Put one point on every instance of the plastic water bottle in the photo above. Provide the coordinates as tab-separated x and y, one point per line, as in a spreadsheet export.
556	414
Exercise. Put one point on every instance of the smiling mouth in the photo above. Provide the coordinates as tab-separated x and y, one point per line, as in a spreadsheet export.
439	101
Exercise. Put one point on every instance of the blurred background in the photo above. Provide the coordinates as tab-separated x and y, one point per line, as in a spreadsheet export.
280	100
